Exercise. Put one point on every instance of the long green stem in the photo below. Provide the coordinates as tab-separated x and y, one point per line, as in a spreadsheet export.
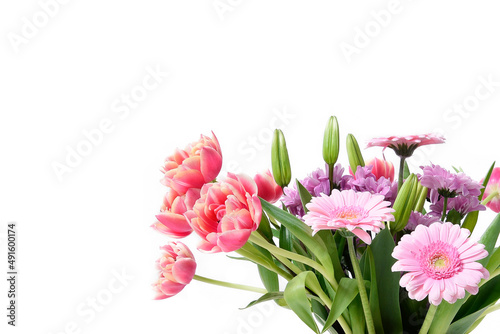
361	286
428	319
401	172
330	176
445	208
490	197
229	285
258	240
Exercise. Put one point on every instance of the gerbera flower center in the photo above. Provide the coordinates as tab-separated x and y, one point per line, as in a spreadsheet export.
440	260
350	212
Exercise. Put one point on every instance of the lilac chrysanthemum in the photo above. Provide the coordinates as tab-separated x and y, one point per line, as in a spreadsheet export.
291	199
316	183
462	204
405	146
365	180
356	212
417	218
440	261
449	184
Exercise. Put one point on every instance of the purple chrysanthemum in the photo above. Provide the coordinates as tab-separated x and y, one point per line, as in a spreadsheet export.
448	184
462	204
417	218
365	180
316	183
291	199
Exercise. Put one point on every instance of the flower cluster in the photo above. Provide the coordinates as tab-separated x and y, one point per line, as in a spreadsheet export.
222	213
185	173
334	231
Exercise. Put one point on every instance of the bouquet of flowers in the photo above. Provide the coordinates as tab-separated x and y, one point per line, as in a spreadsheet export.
359	251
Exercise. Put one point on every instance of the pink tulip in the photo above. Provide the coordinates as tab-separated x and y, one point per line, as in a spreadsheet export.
268	189
171	220
199	163
177	268
493	186
226	213
382	168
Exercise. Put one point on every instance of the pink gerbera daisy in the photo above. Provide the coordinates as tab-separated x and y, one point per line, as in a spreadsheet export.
405	146
356	212
440	261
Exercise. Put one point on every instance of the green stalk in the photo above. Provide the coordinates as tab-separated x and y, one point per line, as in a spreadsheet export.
428	319
229	285
361	286
490	197
330	176
445	206
401	172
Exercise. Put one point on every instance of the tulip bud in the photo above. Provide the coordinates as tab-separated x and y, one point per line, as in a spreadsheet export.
279	160
354	153
382	168
405	203
331	141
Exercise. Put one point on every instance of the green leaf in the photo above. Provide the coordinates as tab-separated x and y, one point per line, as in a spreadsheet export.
305	196
267	297
296	298
494	261
487	179
461	326
269	279
471	220
286	241
489	238
445	314
371	275
348	289
488	294
265	229
387	282
331	245
238	258
302	232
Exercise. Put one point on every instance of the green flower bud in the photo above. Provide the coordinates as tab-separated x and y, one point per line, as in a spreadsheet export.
421	197
331	141
354	153
405	203
279	159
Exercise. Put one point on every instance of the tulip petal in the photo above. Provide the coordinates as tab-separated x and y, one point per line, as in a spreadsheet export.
211	163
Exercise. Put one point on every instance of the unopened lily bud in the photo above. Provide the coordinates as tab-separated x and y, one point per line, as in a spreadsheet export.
279	159
354	153
331	141
405	203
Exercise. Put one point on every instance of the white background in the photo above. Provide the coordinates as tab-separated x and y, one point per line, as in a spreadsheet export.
231	71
